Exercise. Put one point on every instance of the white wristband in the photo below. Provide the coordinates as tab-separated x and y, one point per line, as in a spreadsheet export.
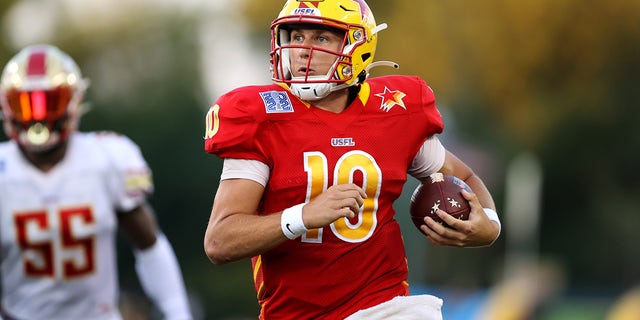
493	216
291	222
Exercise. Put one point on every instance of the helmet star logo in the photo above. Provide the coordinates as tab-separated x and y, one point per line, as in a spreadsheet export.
391	98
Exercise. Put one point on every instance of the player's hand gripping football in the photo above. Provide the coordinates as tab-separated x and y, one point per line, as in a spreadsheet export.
477	231
339	201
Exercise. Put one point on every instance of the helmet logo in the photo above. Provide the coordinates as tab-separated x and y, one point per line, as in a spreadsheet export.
391	98
306	12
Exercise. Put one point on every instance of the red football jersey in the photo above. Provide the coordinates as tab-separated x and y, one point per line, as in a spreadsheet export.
332	272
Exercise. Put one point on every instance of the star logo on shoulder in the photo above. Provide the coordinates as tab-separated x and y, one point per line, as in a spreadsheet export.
391	98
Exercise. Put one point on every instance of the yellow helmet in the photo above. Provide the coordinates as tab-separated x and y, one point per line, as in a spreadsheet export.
352	61
41	90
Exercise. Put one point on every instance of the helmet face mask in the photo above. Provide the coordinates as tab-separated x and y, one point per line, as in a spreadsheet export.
40	92
352	17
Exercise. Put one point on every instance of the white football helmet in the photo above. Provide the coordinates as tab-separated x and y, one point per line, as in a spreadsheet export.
41	91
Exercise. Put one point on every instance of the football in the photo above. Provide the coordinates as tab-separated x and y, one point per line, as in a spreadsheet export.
439	191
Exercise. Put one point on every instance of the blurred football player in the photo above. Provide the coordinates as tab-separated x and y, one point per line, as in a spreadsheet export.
63	194
313	164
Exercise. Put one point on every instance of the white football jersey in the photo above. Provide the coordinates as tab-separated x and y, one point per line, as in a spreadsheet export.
58	229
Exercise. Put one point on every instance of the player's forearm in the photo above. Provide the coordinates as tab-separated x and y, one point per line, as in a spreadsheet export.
480	189
240	236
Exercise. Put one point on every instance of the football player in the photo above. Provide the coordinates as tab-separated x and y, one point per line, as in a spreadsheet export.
63	194
313	164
